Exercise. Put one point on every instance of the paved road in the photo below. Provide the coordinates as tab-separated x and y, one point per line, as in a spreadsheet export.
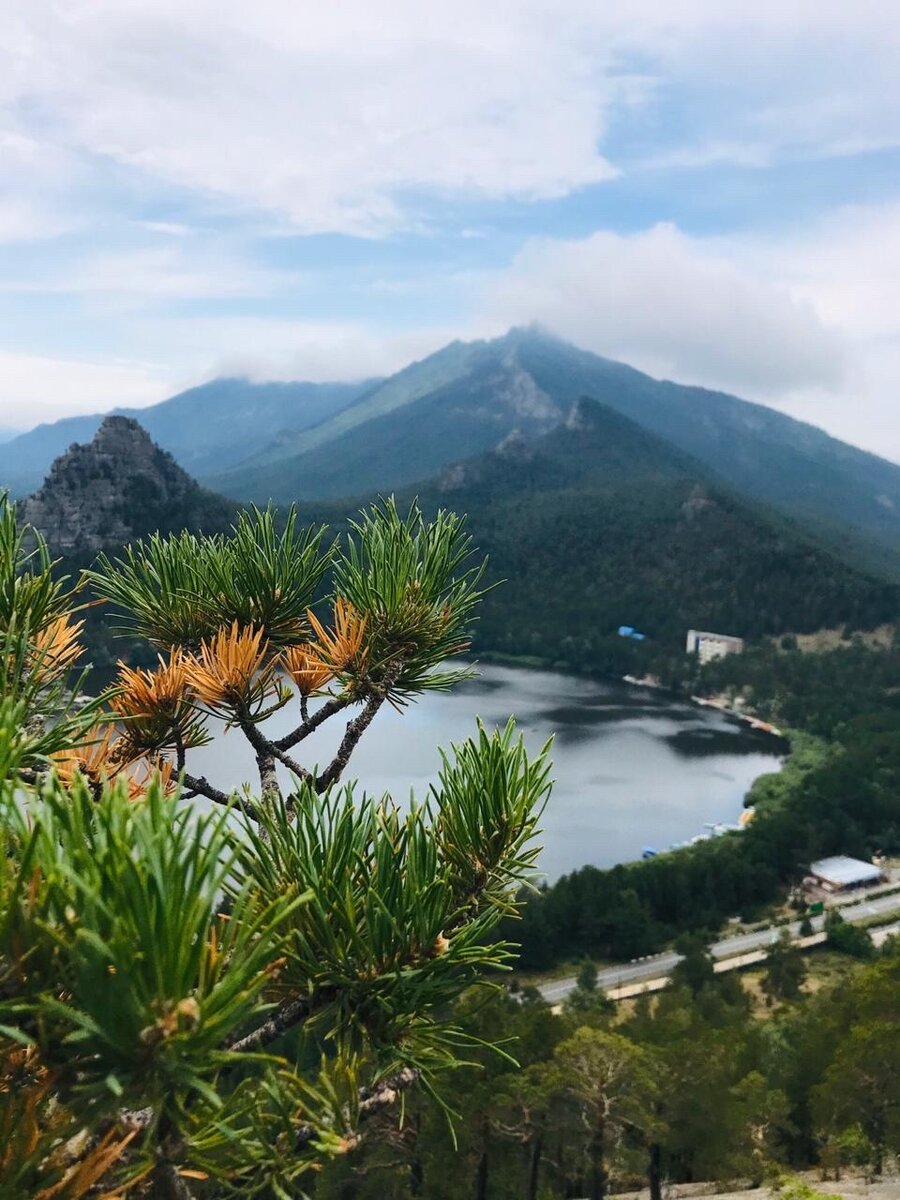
883	932
657	965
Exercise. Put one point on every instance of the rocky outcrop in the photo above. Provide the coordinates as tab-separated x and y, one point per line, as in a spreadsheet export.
118	487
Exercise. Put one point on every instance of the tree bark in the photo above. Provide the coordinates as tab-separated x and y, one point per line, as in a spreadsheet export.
168	1184
482	1174
311	724
268	777
202	787
481	1177
534	1167
268	751
654	1171
416	1166
598	1164
281	1020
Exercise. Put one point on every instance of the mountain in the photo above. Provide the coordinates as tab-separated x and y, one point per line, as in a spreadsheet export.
322	441
118	487
462	400
595	523
599	523
208	428
469	396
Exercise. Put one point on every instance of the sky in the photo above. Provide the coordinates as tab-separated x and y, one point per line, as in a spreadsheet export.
290	189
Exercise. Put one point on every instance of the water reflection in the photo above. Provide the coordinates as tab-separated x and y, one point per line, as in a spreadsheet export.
632	768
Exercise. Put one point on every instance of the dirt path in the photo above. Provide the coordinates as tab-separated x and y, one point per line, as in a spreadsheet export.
850	1188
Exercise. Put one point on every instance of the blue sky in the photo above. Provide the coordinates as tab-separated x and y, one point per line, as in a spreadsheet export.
291	190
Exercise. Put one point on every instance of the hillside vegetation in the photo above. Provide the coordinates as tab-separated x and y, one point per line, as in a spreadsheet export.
599	524
467	398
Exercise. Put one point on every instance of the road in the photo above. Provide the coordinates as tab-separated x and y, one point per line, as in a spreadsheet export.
609	978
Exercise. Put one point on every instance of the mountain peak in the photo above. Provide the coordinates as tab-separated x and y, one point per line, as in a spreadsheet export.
532	334
117	487
120	436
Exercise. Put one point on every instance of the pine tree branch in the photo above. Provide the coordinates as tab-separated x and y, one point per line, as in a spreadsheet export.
371	1100
286	1015
386	1092
270	788
319	717
202	787
263	746
168	1184
356	728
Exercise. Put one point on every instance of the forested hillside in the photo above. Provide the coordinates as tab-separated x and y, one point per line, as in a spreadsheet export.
709	1081
468	397
599	524
460	402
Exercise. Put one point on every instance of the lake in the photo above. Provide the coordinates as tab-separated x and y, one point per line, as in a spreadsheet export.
632	767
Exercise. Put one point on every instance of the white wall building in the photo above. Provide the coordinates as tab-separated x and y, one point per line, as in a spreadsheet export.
712	645
839	873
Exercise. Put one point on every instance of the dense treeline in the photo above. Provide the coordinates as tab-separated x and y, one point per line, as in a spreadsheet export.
691	1085
840	796
662	557
816	692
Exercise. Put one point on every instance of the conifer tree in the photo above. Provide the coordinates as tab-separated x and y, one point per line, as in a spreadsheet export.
211	998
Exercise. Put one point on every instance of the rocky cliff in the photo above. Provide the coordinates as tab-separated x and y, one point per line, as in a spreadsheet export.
118	487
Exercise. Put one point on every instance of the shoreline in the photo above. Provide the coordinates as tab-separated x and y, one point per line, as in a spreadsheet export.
530	662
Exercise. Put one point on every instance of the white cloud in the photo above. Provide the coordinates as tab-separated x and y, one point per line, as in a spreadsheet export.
144	276
23	221
325	114
282	348
167	228
149	125
808	321
673	306
181	352
847	264
34	388
31	186
332	116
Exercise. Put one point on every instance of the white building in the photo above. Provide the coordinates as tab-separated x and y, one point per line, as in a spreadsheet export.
712	645
839	873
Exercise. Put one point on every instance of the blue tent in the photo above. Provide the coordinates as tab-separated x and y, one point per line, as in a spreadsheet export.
628	631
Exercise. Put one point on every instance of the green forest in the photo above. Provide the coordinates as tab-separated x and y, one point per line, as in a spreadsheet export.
706	1081
840	793
600	524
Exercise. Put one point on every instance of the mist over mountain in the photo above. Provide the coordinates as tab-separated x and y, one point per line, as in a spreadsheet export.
317	442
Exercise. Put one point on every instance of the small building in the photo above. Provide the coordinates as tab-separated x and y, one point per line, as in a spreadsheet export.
712	645
840	873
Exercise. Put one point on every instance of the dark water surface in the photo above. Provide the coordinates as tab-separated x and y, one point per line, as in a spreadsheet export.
632	767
